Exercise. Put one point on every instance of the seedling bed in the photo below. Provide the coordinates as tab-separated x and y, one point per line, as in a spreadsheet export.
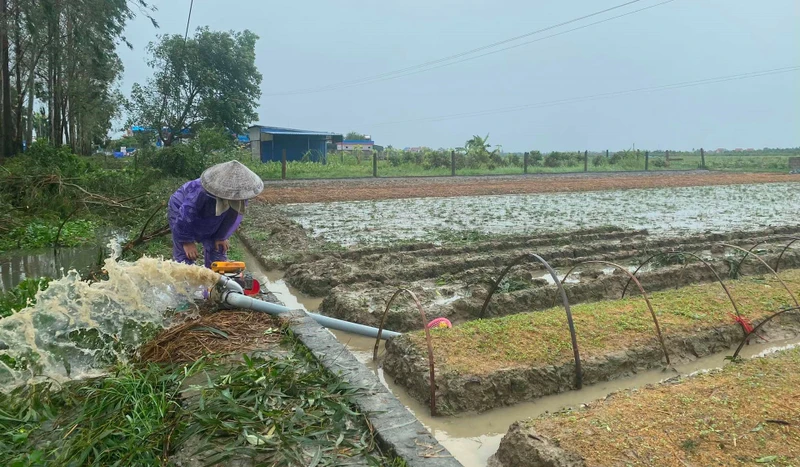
489	363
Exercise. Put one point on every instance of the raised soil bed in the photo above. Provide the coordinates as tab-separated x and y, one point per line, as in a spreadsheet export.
502	361
745	414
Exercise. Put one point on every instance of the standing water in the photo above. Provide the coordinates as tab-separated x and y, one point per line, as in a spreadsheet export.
17	266
76	329
473	438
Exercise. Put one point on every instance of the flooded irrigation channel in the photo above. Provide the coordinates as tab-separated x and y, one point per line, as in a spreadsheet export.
472	437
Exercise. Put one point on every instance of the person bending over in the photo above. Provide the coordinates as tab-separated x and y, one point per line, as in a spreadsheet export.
209	210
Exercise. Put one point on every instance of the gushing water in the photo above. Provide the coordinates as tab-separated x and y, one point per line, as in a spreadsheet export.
77	329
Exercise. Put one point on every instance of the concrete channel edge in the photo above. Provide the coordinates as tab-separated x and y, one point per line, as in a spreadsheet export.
396	429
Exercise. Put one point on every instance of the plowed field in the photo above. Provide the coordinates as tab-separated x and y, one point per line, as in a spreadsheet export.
313	191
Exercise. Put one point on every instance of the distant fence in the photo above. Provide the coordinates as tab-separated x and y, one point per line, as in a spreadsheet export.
600	162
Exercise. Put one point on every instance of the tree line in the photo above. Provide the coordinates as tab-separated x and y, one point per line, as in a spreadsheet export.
58	67
59	76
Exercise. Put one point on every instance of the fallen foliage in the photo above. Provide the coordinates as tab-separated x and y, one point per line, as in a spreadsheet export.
223	332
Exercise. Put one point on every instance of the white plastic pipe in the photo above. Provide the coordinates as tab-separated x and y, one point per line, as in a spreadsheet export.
239	300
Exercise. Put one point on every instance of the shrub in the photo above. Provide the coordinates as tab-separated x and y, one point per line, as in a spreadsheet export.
45	158
616	157
187	160
562	159
437	159
535	158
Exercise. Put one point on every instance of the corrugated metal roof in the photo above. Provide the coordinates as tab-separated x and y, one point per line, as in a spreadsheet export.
274	130
358	141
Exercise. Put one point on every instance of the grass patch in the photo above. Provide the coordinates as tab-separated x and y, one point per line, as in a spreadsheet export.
541	338
41	234
348	166
281	411
124	419
745	414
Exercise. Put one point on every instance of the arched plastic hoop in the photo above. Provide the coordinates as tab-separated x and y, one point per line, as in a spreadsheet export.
570	323
641	289
427	340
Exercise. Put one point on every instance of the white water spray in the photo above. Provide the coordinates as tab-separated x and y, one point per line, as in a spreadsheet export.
77	329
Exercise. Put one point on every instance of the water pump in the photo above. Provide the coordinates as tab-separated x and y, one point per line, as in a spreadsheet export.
237	271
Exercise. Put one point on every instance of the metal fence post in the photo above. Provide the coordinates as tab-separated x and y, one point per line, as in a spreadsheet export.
702	158
525	163
374	163
452	163
283	164
647	160
585	161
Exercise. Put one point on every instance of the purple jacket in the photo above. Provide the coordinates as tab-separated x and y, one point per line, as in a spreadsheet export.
192	216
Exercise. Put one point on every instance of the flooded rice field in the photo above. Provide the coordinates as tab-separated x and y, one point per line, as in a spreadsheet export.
662	211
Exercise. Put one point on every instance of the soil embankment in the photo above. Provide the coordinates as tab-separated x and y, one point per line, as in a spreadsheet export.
316	191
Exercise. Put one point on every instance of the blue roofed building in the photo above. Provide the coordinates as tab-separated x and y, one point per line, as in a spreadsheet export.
267	143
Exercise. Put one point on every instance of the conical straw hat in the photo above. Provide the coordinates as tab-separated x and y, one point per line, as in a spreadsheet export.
231	180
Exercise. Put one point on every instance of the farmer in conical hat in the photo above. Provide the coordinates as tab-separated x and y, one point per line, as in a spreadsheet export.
209	210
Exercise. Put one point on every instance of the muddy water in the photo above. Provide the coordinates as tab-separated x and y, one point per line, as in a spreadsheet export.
473	438
16	267
273	281
663	211
76	329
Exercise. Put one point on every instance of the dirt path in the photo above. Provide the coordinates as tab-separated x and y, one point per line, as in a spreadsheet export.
311	191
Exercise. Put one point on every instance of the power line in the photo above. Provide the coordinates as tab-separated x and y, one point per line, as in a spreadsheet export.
189	18
525	43
664	87
426	66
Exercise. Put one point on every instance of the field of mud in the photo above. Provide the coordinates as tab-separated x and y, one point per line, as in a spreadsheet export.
349	258
662	211
454	282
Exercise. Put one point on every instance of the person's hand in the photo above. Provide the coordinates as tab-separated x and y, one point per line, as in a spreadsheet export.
191	251
221	246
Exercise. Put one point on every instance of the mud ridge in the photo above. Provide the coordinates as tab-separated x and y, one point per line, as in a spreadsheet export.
318	276
459	393
364	303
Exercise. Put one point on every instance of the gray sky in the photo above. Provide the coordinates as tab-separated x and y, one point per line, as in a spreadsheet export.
308	44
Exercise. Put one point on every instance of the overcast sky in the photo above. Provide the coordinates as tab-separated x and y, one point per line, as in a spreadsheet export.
309	44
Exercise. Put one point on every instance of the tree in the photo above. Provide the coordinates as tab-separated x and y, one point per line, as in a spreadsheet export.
209	80
355	136
61	53
477	152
